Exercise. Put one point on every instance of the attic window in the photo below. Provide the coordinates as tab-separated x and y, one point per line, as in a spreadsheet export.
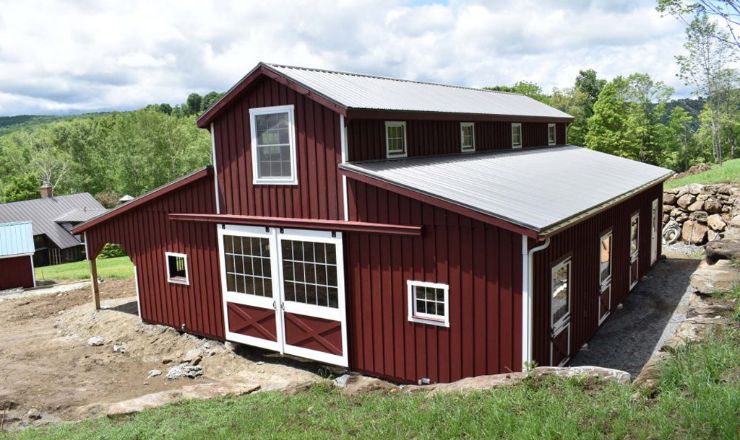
395	139
273	142
516	135
551	134
177	268
467	136
429	303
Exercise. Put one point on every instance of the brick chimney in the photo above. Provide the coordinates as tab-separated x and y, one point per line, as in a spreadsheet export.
46	190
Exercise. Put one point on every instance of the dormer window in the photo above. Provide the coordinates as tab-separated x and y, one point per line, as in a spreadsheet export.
551	134
395	139
273	145
467	136
516	135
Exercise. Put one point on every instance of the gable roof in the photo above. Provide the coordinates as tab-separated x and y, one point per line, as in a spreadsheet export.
345	92
16	239
43	214
539	189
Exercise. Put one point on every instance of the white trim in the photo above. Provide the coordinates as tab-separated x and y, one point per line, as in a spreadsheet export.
17	255
405	152
186	281
215	170
521	141
554	134
462	137
345	156
564	320
528	297
138	297
33	270
293	179
552	336
424	318
609	310
654	232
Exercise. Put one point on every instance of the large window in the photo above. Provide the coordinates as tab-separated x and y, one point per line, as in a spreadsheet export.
429	303
560	294
605	259
177	268
516	135
551	134
310	272
247	262
467	136
395	139
273	141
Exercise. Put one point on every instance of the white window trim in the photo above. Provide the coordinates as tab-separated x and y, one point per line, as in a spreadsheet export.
405	153
554	139
564	320
185	281
424	318
462	137
293	179
521	141
608	280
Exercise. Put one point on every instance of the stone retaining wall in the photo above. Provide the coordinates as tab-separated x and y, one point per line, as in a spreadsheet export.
702	212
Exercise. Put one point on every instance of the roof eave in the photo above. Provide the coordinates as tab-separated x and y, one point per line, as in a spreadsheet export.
368	113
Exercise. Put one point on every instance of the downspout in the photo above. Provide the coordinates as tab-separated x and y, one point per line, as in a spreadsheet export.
528	298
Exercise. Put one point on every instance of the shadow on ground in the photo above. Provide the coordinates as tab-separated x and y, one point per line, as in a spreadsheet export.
650	315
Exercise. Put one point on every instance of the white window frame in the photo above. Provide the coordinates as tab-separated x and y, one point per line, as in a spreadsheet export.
608	280
186	281
293	179
405	152
521	141
423	318
554	139
564	320
463	148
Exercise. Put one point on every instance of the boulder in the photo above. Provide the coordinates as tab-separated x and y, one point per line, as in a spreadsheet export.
695	188
685	200
675	212
696	206
184	370
713	235
702	197
667	208
716	223
669	198
193	356
712	206
352	384
725	189
602	373
718	277
723	250
693	232
700	216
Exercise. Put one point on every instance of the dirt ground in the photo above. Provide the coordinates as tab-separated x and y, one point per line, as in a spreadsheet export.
49	372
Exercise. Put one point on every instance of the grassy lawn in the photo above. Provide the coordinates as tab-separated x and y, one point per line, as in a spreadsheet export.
728	172
110	268
698	398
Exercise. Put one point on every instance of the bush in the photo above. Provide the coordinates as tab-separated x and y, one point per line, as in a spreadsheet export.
111	251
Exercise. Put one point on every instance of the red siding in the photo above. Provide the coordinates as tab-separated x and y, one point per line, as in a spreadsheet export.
146	233
366	137
582	242
481	264
318	194
16	272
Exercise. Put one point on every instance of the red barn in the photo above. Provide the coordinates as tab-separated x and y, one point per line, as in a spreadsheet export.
407	230
16	255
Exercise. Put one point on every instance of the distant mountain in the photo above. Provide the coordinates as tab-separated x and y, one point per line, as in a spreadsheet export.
12	123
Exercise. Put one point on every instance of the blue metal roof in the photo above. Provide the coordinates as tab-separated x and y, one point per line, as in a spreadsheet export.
16	239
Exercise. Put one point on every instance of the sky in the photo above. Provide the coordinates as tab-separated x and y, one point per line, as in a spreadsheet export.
60	57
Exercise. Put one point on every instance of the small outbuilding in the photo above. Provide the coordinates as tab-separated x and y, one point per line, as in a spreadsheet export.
16	255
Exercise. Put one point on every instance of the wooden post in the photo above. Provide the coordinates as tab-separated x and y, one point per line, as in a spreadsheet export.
94	282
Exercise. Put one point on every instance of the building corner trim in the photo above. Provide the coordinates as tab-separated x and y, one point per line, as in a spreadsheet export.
528	298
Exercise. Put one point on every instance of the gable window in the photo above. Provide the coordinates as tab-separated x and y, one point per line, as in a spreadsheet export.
560	294
395	139
516	135
551	134
273	145
429	303
467	136
605	259
177	268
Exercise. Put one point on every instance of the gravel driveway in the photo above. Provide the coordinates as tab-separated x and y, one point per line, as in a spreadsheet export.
649	317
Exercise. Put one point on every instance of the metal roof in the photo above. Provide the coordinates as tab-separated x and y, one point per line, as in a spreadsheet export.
79	215
381	93
43	213
537	188
16	239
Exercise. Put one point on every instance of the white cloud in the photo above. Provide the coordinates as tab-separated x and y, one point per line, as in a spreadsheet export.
89	55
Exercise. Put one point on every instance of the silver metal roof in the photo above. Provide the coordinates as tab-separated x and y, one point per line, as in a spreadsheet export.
79	215
43	213
537	188
381	93
16	239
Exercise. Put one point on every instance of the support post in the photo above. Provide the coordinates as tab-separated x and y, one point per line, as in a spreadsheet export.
94	283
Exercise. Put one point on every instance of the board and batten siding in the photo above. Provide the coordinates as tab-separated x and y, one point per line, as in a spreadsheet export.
318	194
481	264
581	242
146	233
366	137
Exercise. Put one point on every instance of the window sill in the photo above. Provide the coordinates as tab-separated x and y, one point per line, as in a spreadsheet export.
429	321
274	182
181	281
396	156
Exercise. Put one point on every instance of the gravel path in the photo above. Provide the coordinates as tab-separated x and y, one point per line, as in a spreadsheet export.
649	317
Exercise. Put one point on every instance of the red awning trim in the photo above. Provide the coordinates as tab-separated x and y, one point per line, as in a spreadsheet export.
298	223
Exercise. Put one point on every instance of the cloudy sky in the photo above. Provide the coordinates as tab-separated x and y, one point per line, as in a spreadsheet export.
89	55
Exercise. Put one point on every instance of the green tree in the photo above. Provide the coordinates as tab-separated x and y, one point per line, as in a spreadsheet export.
590	86
525	88
194	104
728	11
679	140
210	99
609	128
21	187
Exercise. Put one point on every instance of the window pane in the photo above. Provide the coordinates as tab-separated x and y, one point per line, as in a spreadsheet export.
634	228
305	269
605	257
429	301
560	291
248	265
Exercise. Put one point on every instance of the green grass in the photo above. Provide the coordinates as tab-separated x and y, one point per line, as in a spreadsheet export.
728	172
698	398
108	268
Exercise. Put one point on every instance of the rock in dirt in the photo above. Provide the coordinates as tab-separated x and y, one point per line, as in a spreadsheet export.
119	348
95	341
184	370
357	384
602	373
33	414
193	356
722	250
154	373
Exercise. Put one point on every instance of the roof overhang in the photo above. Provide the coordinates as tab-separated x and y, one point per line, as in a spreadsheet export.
359	113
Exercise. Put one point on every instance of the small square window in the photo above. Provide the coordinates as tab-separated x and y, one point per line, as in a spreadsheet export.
429	303
551	134
395	139
467	136
516	135
177	268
